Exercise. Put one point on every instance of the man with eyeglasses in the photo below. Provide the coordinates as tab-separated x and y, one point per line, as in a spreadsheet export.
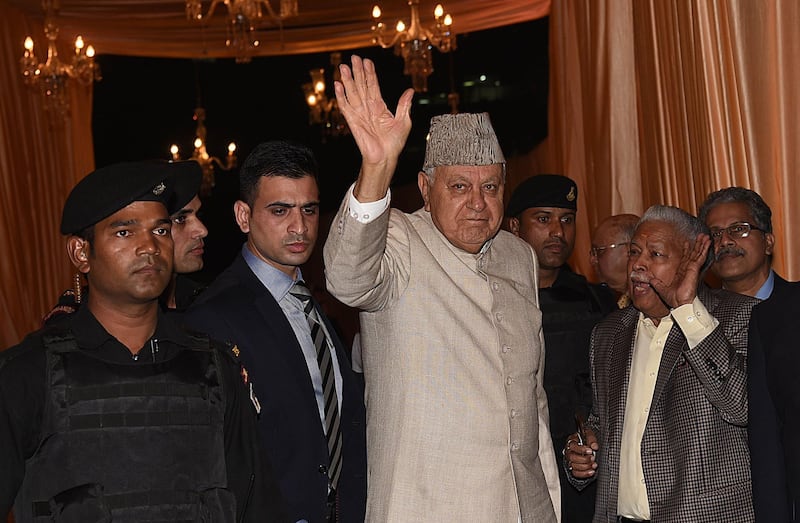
542	211
609	253
741	229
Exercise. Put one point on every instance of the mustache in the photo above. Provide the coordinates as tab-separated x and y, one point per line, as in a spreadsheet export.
295	238
736	251
640	277
556	241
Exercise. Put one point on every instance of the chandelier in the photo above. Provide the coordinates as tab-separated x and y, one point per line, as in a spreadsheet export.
201	156
415	42
244	16
53	75
324	110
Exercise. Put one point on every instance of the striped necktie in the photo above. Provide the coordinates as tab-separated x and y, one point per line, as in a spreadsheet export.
332	430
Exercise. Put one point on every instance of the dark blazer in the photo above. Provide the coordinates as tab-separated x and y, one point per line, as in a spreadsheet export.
238	308
774	398
694	446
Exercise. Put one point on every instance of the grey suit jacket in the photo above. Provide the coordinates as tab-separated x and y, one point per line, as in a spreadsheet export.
694	448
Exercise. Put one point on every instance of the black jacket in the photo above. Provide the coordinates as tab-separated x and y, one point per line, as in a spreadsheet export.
236	307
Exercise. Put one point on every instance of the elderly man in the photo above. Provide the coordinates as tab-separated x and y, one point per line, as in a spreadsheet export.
667	438
115	412
609	253
452	350
741	227
542	212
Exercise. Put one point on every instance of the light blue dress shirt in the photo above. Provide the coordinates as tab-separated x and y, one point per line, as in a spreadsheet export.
279	284
766	290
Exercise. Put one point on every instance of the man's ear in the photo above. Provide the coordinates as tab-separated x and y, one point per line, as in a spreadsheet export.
78	251
769	238
424	188
241	211
513	226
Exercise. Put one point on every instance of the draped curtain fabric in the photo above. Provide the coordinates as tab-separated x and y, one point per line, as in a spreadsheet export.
41	158
663	102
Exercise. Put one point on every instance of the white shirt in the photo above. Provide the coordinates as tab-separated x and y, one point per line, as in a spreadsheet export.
696	323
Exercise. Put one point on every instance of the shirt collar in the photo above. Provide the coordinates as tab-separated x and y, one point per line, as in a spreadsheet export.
90	334
277	282
766	290
650	326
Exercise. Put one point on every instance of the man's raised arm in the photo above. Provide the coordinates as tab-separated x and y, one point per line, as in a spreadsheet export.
379	134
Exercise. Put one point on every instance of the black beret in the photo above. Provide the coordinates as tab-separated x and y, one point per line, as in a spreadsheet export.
188	177
104	191
543	190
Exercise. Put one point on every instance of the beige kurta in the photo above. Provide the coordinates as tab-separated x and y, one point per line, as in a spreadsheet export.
453	360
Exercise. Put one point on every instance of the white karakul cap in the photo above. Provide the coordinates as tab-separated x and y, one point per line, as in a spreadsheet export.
462	139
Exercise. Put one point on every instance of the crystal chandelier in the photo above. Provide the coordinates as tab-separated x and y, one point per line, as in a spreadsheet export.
324	110
244	16
201	156
415	42
53	75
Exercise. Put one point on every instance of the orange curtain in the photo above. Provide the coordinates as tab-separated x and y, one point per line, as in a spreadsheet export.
41	158
664	102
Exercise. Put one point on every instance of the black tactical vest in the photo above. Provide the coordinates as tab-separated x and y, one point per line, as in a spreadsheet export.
128	443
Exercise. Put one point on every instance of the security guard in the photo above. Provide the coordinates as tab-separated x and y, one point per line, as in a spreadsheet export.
542	212
116	413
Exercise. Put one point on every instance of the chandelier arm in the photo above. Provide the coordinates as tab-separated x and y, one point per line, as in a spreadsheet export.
269	10
386	44
211	9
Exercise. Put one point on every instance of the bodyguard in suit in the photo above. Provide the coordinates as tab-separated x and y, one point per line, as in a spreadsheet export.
741	228
312	410
666	440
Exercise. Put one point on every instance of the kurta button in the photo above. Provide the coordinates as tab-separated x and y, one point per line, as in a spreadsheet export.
495	286
509	380
513	413
322	469
499	316
505	349
515	446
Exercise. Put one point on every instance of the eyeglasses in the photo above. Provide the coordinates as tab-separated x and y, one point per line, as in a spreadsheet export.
736	231
597	251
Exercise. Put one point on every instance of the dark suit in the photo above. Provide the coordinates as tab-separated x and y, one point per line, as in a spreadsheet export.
774	398
237	307
694	447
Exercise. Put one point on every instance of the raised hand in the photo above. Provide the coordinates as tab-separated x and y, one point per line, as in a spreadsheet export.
379	134
683	287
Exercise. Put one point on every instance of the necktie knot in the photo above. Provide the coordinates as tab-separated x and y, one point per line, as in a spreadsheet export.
301	291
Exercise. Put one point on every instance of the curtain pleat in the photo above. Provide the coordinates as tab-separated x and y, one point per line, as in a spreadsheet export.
41	158
664	102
